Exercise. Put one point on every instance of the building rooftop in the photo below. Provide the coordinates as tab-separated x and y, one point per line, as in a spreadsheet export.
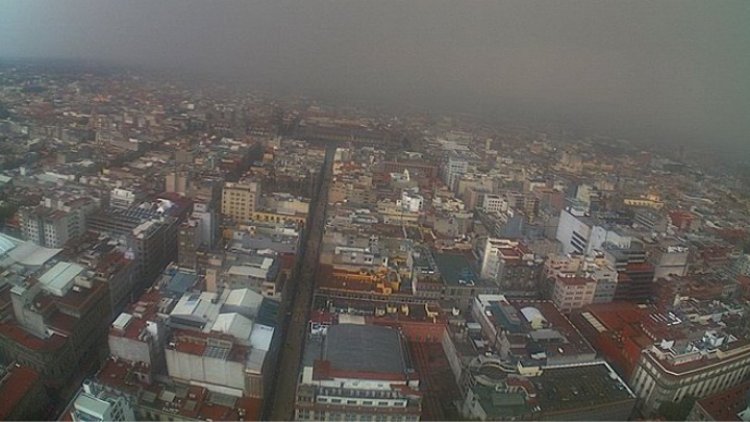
59	279
568	389
365	348
186	401
725	405
15	383
456	269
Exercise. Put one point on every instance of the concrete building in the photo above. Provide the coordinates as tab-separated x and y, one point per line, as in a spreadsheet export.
411	201
139	335
45	226
23	394
571	292
240	200
590	391
529	334
510	264
153	246
123	199
494	204
455	166
94	403
219	342
673	370
177	182
580	234
56	324
150	235
164	398
53	223
357	373
197	232
635	276
670	260
732	404
577	280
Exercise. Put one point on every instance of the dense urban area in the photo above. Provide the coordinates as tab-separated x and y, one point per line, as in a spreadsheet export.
172	251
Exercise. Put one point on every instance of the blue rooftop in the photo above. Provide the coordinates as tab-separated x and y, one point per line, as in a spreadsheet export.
455	269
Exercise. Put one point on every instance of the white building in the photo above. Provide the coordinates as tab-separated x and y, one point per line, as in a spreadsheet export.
494	204
580	234
95	403
493	256
454	168
122	198
411	201
218	344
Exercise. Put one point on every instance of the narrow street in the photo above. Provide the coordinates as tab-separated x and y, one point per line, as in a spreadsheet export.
297	299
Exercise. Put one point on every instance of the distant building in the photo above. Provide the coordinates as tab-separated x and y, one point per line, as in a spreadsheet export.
358	372
454	167
577	280
670	260
494	204
123	199
582	234
510	264
50	228
635	276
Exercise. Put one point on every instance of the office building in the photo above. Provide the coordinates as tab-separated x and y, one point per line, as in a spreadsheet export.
240	200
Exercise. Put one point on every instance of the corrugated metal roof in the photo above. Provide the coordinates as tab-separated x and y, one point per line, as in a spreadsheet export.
59	279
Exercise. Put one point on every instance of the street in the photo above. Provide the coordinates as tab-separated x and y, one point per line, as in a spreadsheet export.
296	302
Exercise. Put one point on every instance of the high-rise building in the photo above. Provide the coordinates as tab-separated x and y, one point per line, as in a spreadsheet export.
582	234
176	182
509	263
45	226
455	166
240	200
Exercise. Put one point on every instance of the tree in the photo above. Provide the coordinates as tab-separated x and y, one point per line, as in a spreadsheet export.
676	411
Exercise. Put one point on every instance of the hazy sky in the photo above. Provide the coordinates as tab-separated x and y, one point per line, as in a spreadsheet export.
679	69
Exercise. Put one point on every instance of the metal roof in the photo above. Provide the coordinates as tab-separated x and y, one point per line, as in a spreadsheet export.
366	348
59	279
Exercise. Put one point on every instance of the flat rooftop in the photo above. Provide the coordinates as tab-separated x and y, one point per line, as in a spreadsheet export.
455	269
365	348
572	388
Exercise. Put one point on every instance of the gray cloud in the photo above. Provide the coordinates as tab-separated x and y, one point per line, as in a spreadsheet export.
672	69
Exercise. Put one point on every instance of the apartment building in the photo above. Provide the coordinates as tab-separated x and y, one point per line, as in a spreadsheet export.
240	200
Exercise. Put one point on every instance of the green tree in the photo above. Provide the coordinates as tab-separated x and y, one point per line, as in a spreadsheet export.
676	411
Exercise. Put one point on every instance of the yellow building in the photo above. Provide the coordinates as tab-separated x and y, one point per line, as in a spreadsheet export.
239	200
